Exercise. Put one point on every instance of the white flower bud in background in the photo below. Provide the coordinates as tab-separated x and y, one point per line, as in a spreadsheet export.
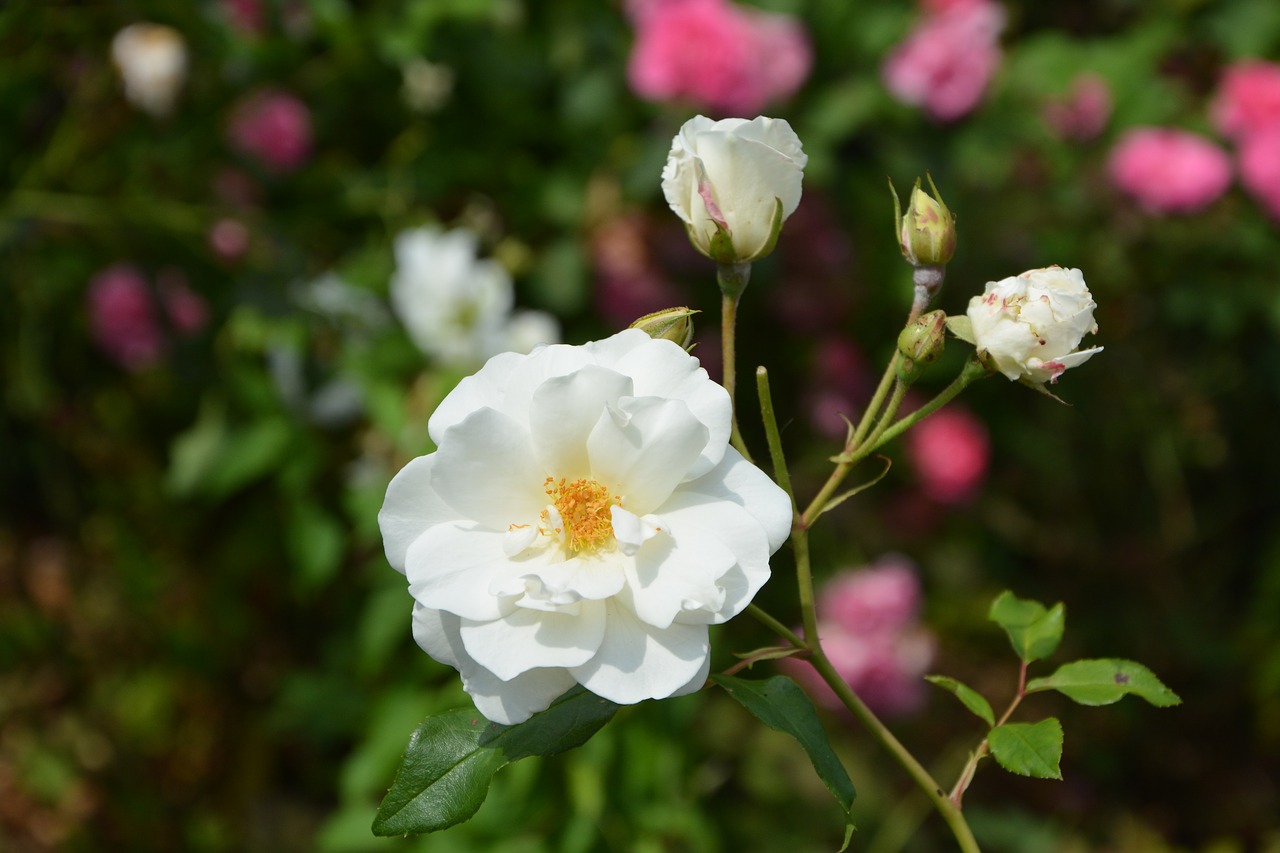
1028	327
733	182
152	60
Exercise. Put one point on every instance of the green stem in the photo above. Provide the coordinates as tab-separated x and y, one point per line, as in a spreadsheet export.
773	436
777	627
949	811
733	280
972	372
971	766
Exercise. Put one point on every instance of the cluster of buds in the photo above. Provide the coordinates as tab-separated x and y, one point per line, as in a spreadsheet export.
926	235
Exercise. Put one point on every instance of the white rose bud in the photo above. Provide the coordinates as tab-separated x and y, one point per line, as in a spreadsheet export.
1029	326
733	182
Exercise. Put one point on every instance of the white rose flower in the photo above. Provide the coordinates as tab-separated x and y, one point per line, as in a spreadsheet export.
454	305
1028	326
583	520
152	60
733	182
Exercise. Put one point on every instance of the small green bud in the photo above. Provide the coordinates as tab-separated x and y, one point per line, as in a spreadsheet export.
921	343
927	231
670	324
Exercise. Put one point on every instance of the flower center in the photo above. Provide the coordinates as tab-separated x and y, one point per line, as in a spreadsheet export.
584	508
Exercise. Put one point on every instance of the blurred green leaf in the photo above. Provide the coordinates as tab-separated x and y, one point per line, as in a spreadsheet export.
1028	749
1034	632
780	704
971	698
1104	681
445	773
316	543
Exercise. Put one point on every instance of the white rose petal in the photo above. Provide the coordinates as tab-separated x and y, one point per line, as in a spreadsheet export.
1029	326
583	520
732	175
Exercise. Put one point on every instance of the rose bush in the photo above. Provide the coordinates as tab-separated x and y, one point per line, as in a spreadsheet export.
734	182
583	520
1028	326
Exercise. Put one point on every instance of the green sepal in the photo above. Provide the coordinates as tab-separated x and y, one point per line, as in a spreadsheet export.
1104	681
961	326
1028	749
1034	631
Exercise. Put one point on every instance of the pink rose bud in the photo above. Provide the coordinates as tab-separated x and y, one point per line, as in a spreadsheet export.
1248	99
274	128
950	451
1169	171
946	62
122	317
1260	167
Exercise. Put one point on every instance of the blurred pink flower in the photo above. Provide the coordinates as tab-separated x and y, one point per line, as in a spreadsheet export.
946	62
1247	100
841	385
187	311
724	58
867	623
229	239
1083	112
1169	171
122	317
1259	154
244	15
274	128
950	452
629	283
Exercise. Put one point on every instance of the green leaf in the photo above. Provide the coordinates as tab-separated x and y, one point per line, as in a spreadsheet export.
971	698
451	758
1106	680
1028	749
1034	632
780	704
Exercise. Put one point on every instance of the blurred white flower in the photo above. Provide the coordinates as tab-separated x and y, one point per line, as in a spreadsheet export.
1028	326
733	182
152	60
583	520
529	329
454	305
427	85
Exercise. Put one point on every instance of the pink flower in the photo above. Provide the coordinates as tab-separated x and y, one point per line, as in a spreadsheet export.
629	283
1260	167
867	623
946	62
122	317
1248	99
1083	112
274	128
1169	171
722	57
950	452
229	239
879	599
187	311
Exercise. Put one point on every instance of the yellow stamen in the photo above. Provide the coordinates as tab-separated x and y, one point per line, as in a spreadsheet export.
584	507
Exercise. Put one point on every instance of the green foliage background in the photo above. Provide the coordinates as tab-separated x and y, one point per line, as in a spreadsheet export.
201	644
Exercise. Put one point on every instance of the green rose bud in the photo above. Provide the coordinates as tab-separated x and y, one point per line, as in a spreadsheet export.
927	232
670	324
